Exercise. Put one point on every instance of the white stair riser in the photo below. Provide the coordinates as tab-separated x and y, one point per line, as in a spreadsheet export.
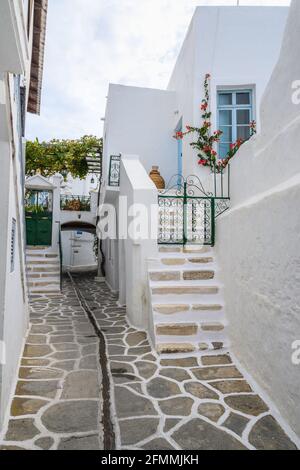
201	336
187	298
191	249
190	316
44	290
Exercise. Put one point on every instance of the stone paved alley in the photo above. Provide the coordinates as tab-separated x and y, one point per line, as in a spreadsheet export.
157	403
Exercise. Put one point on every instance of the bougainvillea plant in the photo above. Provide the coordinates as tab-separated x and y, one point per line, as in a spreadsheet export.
62	156
207	140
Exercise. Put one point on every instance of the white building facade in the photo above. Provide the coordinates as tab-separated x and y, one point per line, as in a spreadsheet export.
257	240
238	47
22	39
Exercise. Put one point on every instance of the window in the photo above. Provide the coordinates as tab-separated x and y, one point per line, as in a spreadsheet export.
235	113
12	245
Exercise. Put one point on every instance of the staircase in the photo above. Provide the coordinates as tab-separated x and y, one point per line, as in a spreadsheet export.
186	296
43	272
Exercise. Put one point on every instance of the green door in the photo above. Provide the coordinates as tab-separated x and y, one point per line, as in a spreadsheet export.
38	218
39	229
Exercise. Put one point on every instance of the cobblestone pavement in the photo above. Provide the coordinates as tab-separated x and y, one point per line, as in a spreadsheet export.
190	403
57	398
158	403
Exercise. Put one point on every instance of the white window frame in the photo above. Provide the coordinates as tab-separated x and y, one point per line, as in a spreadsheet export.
234	107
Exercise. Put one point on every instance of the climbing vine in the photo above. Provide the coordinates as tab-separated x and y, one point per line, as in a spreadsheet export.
67	157
207	140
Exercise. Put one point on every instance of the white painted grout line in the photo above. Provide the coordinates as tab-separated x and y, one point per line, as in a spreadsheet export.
273	409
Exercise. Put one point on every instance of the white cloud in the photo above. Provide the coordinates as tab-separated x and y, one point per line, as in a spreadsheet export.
91	43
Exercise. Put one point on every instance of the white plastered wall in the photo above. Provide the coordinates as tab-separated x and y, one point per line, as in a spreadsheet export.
135	249
239	47
258	239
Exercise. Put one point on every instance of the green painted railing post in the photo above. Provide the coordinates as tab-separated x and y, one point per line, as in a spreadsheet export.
213	222
185	215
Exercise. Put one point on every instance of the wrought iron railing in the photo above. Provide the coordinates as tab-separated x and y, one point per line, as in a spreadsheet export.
187	212
75	203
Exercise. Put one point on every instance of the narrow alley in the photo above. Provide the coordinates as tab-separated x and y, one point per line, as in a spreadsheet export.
157	403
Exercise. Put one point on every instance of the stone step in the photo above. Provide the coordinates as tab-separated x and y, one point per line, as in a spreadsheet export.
42	262
177	329
43	269
43	277
170	249
41	257
196	249
44	292
36	297
172	309
192	347
39	283
186	249
185	290
181	261
188	329
186	275
176	348
37	248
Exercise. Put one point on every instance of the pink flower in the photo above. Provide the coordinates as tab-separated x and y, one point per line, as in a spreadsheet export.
179	135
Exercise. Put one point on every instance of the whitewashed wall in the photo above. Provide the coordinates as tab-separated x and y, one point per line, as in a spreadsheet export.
239	47
140	121
258	240
78	252
134	251
13	289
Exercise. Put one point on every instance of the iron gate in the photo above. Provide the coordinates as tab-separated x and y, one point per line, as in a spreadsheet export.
187	212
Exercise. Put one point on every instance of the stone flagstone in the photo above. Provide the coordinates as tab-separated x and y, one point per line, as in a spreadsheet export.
155	397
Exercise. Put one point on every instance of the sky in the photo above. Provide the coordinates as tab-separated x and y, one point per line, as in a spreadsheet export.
91	43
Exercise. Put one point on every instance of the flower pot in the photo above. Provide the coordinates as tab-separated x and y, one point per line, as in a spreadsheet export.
156	177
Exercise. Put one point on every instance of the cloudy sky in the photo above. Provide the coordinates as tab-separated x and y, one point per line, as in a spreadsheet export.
91	43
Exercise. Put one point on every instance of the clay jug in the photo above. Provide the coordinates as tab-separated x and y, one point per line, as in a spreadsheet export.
157	178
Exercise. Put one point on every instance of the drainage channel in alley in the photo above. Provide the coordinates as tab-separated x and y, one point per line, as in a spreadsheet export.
108	429
59	400
187	402
132	398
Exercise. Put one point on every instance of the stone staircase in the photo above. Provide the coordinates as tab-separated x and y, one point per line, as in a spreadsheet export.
186	296
43	272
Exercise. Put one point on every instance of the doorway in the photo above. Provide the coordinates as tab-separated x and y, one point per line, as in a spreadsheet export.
39	217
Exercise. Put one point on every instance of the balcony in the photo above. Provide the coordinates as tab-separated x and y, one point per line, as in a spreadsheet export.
75	203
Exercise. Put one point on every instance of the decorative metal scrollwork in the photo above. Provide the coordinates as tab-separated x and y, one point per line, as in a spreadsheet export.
171	217
195	188
187	212
174	187
114	171
221	206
